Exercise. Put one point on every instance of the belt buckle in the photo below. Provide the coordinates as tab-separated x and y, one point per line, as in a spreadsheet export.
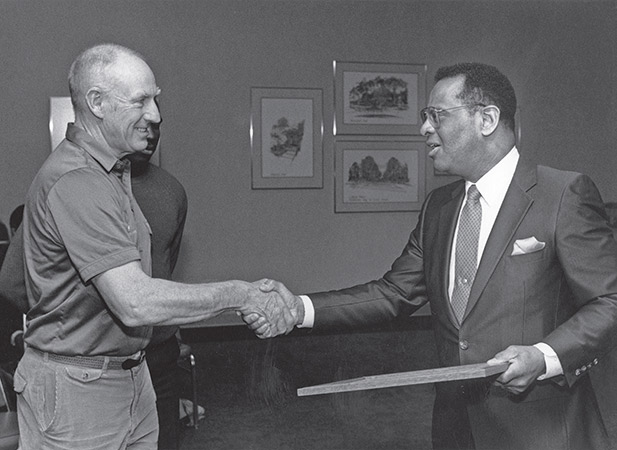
131	362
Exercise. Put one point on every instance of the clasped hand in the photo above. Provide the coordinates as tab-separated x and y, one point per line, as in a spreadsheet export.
271	310
526	365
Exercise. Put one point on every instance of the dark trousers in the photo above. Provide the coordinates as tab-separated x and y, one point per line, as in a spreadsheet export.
451	429
162	361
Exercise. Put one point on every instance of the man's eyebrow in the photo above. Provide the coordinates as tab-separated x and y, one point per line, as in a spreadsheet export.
143	95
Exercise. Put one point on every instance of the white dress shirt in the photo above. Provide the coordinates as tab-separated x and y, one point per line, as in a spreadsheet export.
492	187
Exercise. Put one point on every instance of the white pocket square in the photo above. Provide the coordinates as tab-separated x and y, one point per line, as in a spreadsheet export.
525	246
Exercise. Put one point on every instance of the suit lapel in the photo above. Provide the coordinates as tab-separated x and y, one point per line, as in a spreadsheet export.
515	205
443	246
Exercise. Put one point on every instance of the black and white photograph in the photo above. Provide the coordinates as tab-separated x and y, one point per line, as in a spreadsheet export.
308	225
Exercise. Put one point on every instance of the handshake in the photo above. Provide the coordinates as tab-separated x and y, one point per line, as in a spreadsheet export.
271	309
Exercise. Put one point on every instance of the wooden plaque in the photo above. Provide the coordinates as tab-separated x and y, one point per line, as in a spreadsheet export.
453	373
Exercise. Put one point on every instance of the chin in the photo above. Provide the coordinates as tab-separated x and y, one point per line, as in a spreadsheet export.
439	167
140	157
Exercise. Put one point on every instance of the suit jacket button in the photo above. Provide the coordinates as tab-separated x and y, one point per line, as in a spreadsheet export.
463	345
595	361
577	372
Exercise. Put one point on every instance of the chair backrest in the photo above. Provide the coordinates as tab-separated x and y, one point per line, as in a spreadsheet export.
8	397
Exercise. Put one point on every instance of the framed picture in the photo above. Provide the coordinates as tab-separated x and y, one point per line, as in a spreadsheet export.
286	138
379	175
372	98
518	128
60	114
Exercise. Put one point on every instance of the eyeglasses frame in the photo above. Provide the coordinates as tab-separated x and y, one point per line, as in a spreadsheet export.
436	122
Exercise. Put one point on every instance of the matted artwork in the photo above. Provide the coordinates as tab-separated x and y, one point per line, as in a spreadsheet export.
60	114
375	98
286	138
379	175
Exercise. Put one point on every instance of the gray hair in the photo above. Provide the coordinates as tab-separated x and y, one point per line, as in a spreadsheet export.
89	69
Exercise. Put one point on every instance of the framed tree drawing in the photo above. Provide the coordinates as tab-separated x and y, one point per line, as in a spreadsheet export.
286	138
380	175
374	98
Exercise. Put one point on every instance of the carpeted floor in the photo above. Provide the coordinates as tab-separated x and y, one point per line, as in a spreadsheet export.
248	388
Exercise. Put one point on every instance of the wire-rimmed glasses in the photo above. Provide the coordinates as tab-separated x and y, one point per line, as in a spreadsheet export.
432	114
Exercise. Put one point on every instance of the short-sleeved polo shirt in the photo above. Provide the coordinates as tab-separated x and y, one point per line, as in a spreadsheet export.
81	220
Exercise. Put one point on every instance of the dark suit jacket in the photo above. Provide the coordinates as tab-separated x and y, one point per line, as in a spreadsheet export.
562	295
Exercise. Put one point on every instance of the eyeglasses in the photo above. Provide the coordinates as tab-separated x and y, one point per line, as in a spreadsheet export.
432	114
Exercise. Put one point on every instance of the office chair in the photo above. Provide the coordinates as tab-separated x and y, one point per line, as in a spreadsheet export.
186	361
9	431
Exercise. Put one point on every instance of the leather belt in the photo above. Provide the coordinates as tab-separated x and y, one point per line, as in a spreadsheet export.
95	362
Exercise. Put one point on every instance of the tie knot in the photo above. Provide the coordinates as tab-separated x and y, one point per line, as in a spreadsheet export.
473	194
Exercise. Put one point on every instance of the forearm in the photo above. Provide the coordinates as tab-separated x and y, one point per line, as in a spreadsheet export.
137	299
163	302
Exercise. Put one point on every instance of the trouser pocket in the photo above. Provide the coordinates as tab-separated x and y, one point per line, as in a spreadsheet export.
38	392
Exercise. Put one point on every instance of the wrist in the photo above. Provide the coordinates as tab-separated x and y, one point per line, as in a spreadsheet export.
236	295
299	309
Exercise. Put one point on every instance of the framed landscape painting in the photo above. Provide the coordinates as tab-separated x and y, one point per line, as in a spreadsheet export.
286	138
374	98
379	175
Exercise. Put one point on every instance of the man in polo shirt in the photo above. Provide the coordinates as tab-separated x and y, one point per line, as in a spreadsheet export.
81	382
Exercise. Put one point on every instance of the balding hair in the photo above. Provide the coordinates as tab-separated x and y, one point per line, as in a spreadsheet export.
89	69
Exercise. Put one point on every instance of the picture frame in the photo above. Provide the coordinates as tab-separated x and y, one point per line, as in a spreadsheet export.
60	115
378	98
286	138
373	175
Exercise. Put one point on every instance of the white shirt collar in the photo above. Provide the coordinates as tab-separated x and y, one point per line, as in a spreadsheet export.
494	183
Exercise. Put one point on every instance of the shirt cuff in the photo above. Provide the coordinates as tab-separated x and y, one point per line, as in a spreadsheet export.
553	365
309	313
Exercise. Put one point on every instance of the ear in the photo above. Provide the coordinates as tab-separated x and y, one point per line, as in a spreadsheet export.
94	100
490	119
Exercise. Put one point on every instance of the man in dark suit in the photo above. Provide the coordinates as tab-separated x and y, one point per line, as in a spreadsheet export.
518	264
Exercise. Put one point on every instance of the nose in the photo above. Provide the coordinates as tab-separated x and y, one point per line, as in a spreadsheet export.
426	128
152	113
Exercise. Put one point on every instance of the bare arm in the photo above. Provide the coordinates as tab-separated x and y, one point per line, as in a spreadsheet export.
136	299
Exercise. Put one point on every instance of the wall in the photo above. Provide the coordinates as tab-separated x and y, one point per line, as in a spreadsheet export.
207	55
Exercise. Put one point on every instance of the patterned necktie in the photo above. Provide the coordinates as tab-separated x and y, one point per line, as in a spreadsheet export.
466	256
